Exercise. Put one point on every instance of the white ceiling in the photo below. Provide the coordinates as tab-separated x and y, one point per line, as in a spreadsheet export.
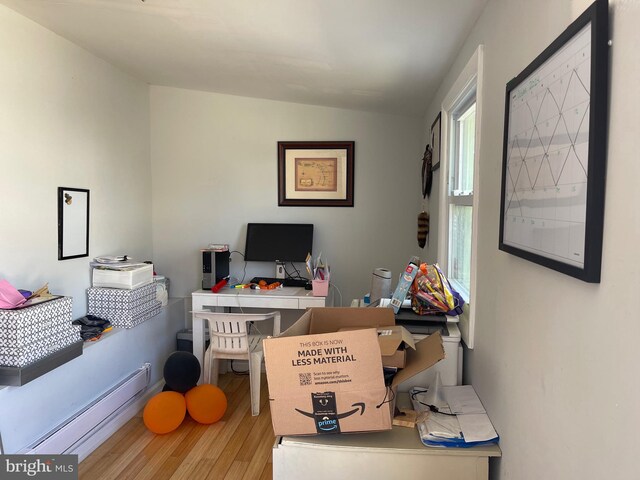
376	55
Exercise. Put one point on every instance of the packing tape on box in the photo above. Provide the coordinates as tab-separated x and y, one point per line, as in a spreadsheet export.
380	284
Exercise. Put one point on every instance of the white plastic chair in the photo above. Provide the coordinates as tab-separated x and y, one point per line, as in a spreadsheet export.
231	338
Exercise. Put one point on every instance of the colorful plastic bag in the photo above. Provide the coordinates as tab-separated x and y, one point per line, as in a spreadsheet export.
432	293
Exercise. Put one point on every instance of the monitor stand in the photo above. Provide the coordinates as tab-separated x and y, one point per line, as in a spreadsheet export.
280	271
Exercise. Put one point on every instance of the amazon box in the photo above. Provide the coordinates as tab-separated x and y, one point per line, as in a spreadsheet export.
394	340
325	372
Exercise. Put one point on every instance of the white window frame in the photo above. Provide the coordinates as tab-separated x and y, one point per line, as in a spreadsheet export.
470	79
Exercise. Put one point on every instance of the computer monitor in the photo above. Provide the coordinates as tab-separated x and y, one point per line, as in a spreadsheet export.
278	242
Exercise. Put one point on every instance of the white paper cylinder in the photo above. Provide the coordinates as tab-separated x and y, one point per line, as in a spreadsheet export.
380	284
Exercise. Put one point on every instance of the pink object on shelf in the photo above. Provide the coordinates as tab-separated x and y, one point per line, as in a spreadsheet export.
9	296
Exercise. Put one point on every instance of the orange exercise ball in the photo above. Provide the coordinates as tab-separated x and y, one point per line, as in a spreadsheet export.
206	403
164	412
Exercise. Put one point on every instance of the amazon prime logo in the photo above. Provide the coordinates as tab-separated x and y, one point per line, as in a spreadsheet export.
328	424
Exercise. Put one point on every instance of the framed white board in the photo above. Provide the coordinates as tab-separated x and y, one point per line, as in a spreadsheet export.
554	152
73	223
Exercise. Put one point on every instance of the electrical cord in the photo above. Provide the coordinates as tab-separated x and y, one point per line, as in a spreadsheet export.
432	408
333	285
244	270
388	393
297	275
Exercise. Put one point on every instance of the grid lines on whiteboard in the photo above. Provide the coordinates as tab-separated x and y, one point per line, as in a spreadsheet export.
547	162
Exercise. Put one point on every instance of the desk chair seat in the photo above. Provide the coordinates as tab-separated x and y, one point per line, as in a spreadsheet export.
237	336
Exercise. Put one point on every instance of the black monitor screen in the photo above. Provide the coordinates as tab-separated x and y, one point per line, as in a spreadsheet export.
285	242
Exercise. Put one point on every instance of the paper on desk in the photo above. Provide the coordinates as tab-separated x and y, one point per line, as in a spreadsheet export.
472	419
476	427
462	400
308	264
442	426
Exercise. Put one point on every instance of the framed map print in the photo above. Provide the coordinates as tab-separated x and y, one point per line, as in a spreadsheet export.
315	174
554	152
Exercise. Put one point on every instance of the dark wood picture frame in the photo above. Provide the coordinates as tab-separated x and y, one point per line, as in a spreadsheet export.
436	137
522	232
315	174
73	223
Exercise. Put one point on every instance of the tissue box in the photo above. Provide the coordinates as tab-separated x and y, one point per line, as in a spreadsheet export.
31	333
122	307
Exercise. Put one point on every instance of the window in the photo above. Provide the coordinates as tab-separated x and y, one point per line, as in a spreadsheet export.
461	111
460	195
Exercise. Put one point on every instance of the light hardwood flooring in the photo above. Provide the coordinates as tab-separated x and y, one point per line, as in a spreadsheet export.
237	447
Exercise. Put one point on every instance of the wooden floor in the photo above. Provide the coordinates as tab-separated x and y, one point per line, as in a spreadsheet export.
236	447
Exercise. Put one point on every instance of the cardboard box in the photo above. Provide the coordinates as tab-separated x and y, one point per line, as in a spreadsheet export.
325	372
393	341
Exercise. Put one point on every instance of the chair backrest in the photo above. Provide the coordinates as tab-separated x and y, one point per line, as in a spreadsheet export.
229	332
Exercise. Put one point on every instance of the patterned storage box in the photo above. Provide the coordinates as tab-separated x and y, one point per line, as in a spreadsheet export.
122	307
152	312
31	333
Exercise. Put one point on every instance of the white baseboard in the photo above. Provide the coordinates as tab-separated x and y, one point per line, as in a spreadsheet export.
102	433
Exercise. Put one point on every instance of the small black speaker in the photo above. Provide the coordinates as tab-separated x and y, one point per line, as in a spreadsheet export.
215	266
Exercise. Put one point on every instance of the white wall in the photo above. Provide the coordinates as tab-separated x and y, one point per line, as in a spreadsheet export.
556	360
68	119
214	162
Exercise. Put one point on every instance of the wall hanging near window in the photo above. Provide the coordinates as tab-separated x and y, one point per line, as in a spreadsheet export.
554	152
73	223
423	228
435	142
427	179
315	174
427	171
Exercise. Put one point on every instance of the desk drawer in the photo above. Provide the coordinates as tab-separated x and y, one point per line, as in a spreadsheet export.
311	302
259	302
198	302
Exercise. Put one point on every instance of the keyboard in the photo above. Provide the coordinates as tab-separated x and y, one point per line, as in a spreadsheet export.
287	282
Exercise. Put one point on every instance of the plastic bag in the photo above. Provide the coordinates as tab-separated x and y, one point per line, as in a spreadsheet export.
10	297
432	293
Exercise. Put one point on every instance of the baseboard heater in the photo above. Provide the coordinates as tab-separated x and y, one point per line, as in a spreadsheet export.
83	423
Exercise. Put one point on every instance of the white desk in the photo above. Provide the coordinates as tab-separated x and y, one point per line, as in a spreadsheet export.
396	453
286	298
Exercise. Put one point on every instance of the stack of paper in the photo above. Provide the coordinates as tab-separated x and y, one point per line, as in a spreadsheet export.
459	421
120	272
320	269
